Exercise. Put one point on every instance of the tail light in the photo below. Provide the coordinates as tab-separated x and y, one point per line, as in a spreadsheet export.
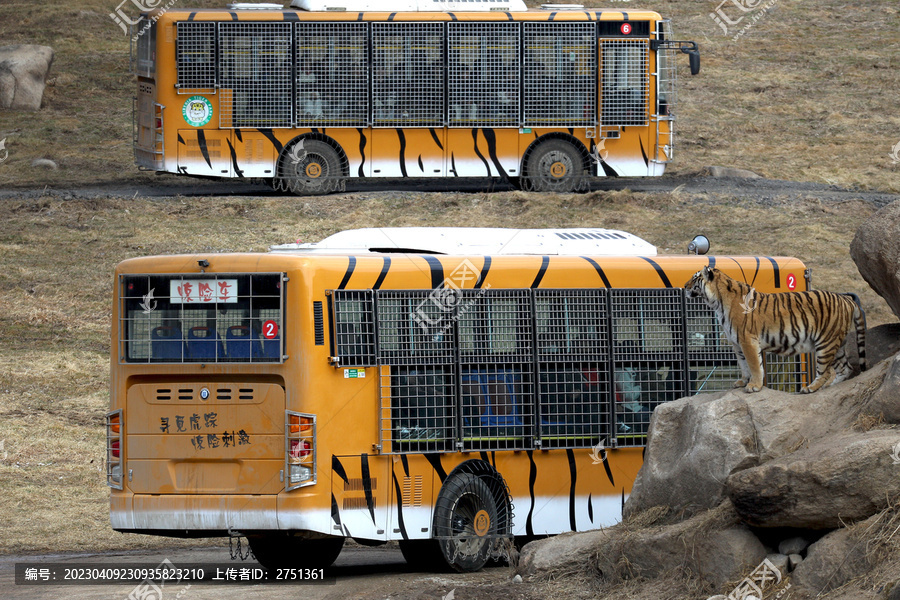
300	449
114	449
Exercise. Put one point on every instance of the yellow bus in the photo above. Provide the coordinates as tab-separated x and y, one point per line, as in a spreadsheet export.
450	389
308	97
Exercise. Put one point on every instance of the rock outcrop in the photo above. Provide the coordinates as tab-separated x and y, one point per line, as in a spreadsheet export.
839	479
876	251
23	75
696	443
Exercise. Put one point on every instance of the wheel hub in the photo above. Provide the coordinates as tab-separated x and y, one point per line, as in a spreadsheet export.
482	523
313	170
558	170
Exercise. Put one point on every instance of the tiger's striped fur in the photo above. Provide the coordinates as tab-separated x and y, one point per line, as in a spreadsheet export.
787	323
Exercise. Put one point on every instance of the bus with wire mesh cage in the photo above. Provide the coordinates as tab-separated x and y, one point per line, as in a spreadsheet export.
308	97
452	389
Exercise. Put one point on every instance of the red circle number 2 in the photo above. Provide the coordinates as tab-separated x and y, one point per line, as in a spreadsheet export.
791	281
626	28
270	330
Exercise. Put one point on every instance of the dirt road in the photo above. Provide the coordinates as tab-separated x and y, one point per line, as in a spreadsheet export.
760	189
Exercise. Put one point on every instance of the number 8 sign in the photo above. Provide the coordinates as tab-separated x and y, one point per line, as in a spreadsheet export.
270	330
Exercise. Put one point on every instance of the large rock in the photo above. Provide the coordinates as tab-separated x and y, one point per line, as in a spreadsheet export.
696	443
835	559
876	251
884	402
23	75
838	479
882	342
712	547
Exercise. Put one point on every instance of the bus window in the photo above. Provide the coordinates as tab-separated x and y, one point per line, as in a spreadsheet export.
354	328
201	318
415	345
560	74
196	56
625	86
255	75
648	357
332	74
573	365
408	82
484	74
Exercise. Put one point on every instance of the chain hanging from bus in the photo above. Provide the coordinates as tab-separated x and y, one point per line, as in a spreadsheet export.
310	96
454	390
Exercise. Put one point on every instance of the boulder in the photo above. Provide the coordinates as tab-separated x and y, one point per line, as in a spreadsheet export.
834	560
711	547
716	171
696	443
884	402
876	251
882	341
794	545
561	553
23	75
841	478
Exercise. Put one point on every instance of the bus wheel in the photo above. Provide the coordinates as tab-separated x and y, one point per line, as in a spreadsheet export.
555	166
465	522
423	555
312	168
287	552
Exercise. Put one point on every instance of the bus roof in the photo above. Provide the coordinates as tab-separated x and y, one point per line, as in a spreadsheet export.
476	241
410	5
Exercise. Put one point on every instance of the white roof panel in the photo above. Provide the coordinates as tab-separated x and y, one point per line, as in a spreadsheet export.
410	5
477	240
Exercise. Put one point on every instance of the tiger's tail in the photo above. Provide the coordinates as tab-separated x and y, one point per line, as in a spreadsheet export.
859	319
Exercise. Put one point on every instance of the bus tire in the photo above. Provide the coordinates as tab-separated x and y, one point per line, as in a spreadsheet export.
465	522
555	166
423	555
288	552
314	169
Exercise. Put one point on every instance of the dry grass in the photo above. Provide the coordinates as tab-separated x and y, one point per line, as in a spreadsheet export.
807	94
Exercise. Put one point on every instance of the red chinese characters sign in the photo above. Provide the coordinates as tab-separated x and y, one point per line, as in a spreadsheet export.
203	291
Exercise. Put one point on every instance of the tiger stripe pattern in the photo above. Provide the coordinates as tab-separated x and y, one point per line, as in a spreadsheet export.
788	323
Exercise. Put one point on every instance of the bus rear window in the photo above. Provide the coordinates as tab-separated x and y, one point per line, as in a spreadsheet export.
201	318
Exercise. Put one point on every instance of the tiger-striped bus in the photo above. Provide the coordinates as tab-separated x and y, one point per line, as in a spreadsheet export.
449	389
327	90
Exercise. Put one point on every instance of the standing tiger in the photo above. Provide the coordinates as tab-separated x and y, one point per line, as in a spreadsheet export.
787	323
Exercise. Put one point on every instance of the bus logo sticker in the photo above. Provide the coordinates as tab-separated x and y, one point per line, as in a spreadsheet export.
197	111
354	373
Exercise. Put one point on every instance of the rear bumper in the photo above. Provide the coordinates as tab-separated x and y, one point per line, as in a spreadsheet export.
140	513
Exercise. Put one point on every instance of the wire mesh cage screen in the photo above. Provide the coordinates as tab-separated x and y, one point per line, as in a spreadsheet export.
560	73
408	77
496	369
332	79
255	61
483	74
573	367
354	327
648	357
624	82
417	379
195	56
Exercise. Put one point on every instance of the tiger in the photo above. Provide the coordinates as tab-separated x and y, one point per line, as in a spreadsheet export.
787	323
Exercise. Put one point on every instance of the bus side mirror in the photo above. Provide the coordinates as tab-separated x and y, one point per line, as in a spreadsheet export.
694	59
